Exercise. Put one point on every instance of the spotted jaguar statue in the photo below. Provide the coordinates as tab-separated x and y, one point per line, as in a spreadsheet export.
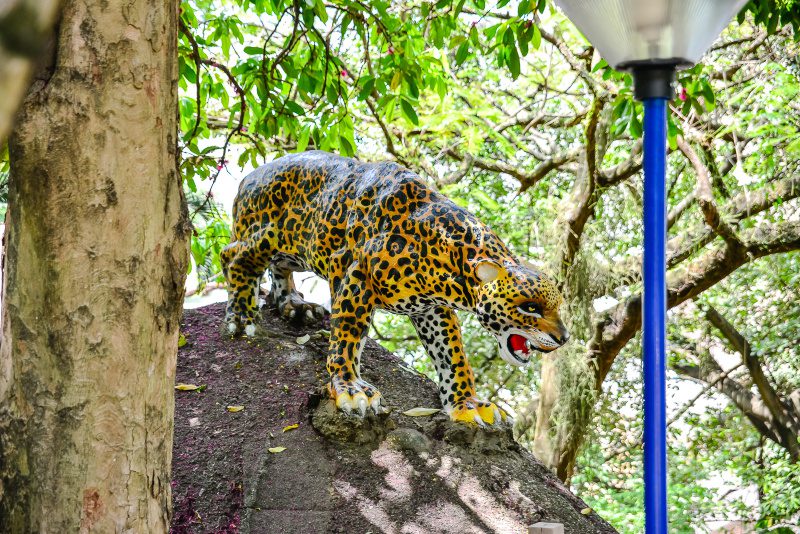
384	240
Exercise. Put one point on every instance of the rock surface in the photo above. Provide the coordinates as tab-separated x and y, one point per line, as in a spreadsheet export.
333	473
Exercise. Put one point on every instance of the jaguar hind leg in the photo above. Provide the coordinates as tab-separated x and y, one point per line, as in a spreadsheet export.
285	297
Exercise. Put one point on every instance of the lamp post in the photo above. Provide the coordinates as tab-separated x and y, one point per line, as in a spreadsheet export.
652	39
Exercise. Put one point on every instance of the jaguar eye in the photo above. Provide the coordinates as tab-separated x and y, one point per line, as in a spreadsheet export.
530	308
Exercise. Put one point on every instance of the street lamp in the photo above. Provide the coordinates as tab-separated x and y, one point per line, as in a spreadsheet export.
652	39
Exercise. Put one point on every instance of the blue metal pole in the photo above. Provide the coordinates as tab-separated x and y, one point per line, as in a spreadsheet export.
654	311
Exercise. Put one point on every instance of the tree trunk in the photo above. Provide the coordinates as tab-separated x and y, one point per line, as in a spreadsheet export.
544	446
96	256
565	409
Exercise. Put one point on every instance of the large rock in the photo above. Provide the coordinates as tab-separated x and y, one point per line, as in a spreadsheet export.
334	473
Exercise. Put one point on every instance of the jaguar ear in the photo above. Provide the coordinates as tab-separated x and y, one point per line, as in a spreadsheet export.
487	271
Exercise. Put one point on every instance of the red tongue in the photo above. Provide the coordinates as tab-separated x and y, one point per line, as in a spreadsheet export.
518	343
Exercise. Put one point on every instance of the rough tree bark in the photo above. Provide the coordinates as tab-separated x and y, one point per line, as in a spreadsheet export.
96	255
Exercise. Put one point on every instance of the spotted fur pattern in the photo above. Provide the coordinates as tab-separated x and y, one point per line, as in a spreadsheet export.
384	240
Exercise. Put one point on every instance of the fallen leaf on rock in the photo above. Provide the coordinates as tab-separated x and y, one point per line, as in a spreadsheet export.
187	387
275	450
586	511
181	340
290	427
235	408
302	340
421	412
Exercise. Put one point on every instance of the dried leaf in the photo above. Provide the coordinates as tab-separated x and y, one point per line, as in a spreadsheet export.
290	427
302	340
276	450
421	412
586	511
235	408
187	387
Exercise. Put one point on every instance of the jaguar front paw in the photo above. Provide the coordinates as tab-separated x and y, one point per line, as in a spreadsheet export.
483	413
355	396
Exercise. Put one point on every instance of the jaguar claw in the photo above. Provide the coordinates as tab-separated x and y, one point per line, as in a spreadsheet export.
482	413
354	396
250	330
231	328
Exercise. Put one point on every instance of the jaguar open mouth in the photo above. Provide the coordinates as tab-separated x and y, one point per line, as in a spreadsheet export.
520	347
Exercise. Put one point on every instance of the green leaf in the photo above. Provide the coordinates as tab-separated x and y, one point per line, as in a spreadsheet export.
513	62
462	52
635	126
294	107
366	88
408	111
708	96
302	139
346	145
536	39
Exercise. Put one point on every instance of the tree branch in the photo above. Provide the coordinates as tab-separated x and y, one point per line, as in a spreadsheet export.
526	179
739	207
584	197
786	425
616	328
676	212
705	197
752	408
623	171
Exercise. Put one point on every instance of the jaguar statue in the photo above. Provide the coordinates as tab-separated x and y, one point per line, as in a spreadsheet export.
384	240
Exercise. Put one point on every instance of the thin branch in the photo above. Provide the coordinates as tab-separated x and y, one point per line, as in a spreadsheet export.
584	197
705	198
708	386
676	212
526	179
624	170
741	206
786	425
745	400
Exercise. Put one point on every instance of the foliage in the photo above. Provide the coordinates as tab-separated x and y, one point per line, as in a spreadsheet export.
212	231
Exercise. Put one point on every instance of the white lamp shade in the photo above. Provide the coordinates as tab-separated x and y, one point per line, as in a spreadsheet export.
626	31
